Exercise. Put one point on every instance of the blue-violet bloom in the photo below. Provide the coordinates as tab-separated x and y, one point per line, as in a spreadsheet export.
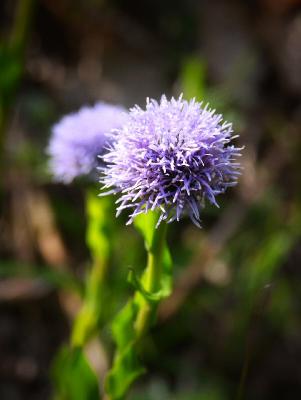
171	157
78	138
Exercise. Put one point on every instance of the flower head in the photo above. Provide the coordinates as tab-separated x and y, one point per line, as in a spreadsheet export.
172	157
78	138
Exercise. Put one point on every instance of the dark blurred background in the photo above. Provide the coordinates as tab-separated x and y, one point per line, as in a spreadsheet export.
232	328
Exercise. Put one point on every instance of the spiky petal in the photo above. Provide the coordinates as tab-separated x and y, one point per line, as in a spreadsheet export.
172	157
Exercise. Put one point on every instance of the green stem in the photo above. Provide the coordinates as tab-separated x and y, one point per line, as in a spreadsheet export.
152	279
88	318
133	322
98	240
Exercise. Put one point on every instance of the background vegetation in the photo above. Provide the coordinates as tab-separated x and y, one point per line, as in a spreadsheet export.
231	329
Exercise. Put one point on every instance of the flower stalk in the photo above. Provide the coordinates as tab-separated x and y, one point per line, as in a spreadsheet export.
134	321
152	282
98	240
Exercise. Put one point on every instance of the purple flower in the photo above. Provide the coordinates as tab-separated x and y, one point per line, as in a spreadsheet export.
78	138
171	157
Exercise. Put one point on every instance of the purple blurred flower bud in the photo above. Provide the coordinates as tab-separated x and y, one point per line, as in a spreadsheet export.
171	157
78	138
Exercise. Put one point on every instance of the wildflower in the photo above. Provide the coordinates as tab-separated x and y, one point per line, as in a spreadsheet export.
78	138
172	157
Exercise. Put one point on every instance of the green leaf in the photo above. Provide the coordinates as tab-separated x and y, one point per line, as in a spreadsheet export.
127	367
146	224
150	297
126	370
122	327
73	377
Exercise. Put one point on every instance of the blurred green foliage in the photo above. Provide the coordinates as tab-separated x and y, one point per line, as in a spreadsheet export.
193	76
11	61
